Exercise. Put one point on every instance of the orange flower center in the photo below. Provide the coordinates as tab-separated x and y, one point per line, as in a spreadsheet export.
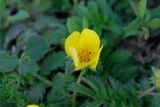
84	55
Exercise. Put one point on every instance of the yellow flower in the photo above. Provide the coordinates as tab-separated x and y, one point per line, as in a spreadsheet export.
32	105
84	48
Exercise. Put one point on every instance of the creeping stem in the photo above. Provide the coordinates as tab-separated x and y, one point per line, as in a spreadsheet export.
78	82
49	83
146	92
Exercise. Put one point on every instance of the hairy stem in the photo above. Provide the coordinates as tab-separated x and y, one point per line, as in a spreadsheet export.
147	91
78	82
44	80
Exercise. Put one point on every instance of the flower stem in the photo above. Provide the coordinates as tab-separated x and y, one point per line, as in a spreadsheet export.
78	82
49	83
147	91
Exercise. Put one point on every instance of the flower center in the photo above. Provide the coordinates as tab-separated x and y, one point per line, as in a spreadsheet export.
84	55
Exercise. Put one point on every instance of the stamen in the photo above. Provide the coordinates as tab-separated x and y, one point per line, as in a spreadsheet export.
84	55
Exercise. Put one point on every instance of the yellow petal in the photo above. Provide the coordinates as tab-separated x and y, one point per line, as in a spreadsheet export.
94	63
89	39
72	41
82	65
32	105
76	59
74	55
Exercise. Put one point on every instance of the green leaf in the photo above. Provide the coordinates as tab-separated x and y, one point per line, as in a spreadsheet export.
93	11
4	103
113	26
85	23
93	104
43	22
21	15
36	92
36	47
118	56
104	10
82	10
7	62
53	61
154	23
132	28
90	82
124	71
2	7
56	37
82	90
9	87
145	83
141	9
59	94
72	25
155	101
27	66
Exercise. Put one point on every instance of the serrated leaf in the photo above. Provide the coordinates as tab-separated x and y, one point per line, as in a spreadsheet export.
27	66
82	90
53	61
36	92
7	62
126	70
36	47
90	82
59	94
4	103
21	15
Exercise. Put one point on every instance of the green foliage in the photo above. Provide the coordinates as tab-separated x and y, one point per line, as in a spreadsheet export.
36	92
53	61
36	47
7	62
102	94
73	25
21	15
35	69
154	23
63	98
9	89
2	7
131	29
27	66
141	9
